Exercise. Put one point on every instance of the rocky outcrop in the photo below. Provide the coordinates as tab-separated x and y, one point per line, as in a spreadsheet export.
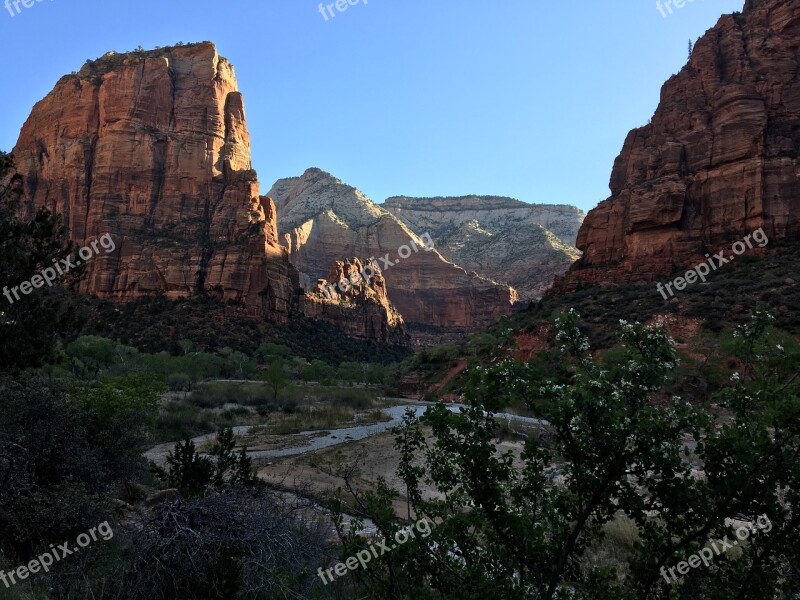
719	159
360	306
322	220
522	245
153	148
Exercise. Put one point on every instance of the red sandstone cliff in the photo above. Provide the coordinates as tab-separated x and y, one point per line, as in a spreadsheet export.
153	148
719	159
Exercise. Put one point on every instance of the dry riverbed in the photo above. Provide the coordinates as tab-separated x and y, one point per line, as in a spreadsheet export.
317	474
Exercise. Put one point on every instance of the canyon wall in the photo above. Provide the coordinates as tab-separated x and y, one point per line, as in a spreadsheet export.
719	159
153	148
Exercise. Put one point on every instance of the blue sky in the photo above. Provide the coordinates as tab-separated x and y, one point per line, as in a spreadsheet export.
520	98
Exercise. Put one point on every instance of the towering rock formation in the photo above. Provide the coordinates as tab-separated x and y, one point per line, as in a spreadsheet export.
523	245
719	159
323	221
153	148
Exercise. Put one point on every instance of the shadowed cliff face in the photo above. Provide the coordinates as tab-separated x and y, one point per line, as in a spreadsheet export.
720	158
153	148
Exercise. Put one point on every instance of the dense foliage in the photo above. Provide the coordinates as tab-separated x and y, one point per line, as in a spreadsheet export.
631	461
603	453
156	324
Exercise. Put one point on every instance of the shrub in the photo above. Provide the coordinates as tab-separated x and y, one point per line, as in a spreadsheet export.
178	420
230	413
216	395
179	382
194	474
55	476
265	409
353	397
234	544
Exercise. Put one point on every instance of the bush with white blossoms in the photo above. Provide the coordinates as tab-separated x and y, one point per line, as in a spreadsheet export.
514	528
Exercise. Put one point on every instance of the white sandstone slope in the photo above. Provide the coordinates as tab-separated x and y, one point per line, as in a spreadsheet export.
523	245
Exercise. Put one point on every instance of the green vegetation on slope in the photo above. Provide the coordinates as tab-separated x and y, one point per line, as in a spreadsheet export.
155	324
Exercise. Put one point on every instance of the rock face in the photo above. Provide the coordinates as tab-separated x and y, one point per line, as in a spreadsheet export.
153	148
719	159
361	309
523	245
322	221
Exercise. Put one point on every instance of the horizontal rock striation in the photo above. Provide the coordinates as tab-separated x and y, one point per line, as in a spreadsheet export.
494	213
360	307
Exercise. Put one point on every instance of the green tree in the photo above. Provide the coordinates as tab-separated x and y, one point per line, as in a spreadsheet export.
352	371
482	344
194	474
510	530
187	470
186	345
31	325
376	373
198	365
296	367
270	350
274	379
231	468
321	371
93	353
118	416
55	481
236	363
308	373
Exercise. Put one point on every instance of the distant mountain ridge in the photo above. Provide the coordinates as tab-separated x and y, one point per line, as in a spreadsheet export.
495	212
523	245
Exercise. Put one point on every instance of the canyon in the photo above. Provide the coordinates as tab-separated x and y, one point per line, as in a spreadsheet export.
321	220
152	148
